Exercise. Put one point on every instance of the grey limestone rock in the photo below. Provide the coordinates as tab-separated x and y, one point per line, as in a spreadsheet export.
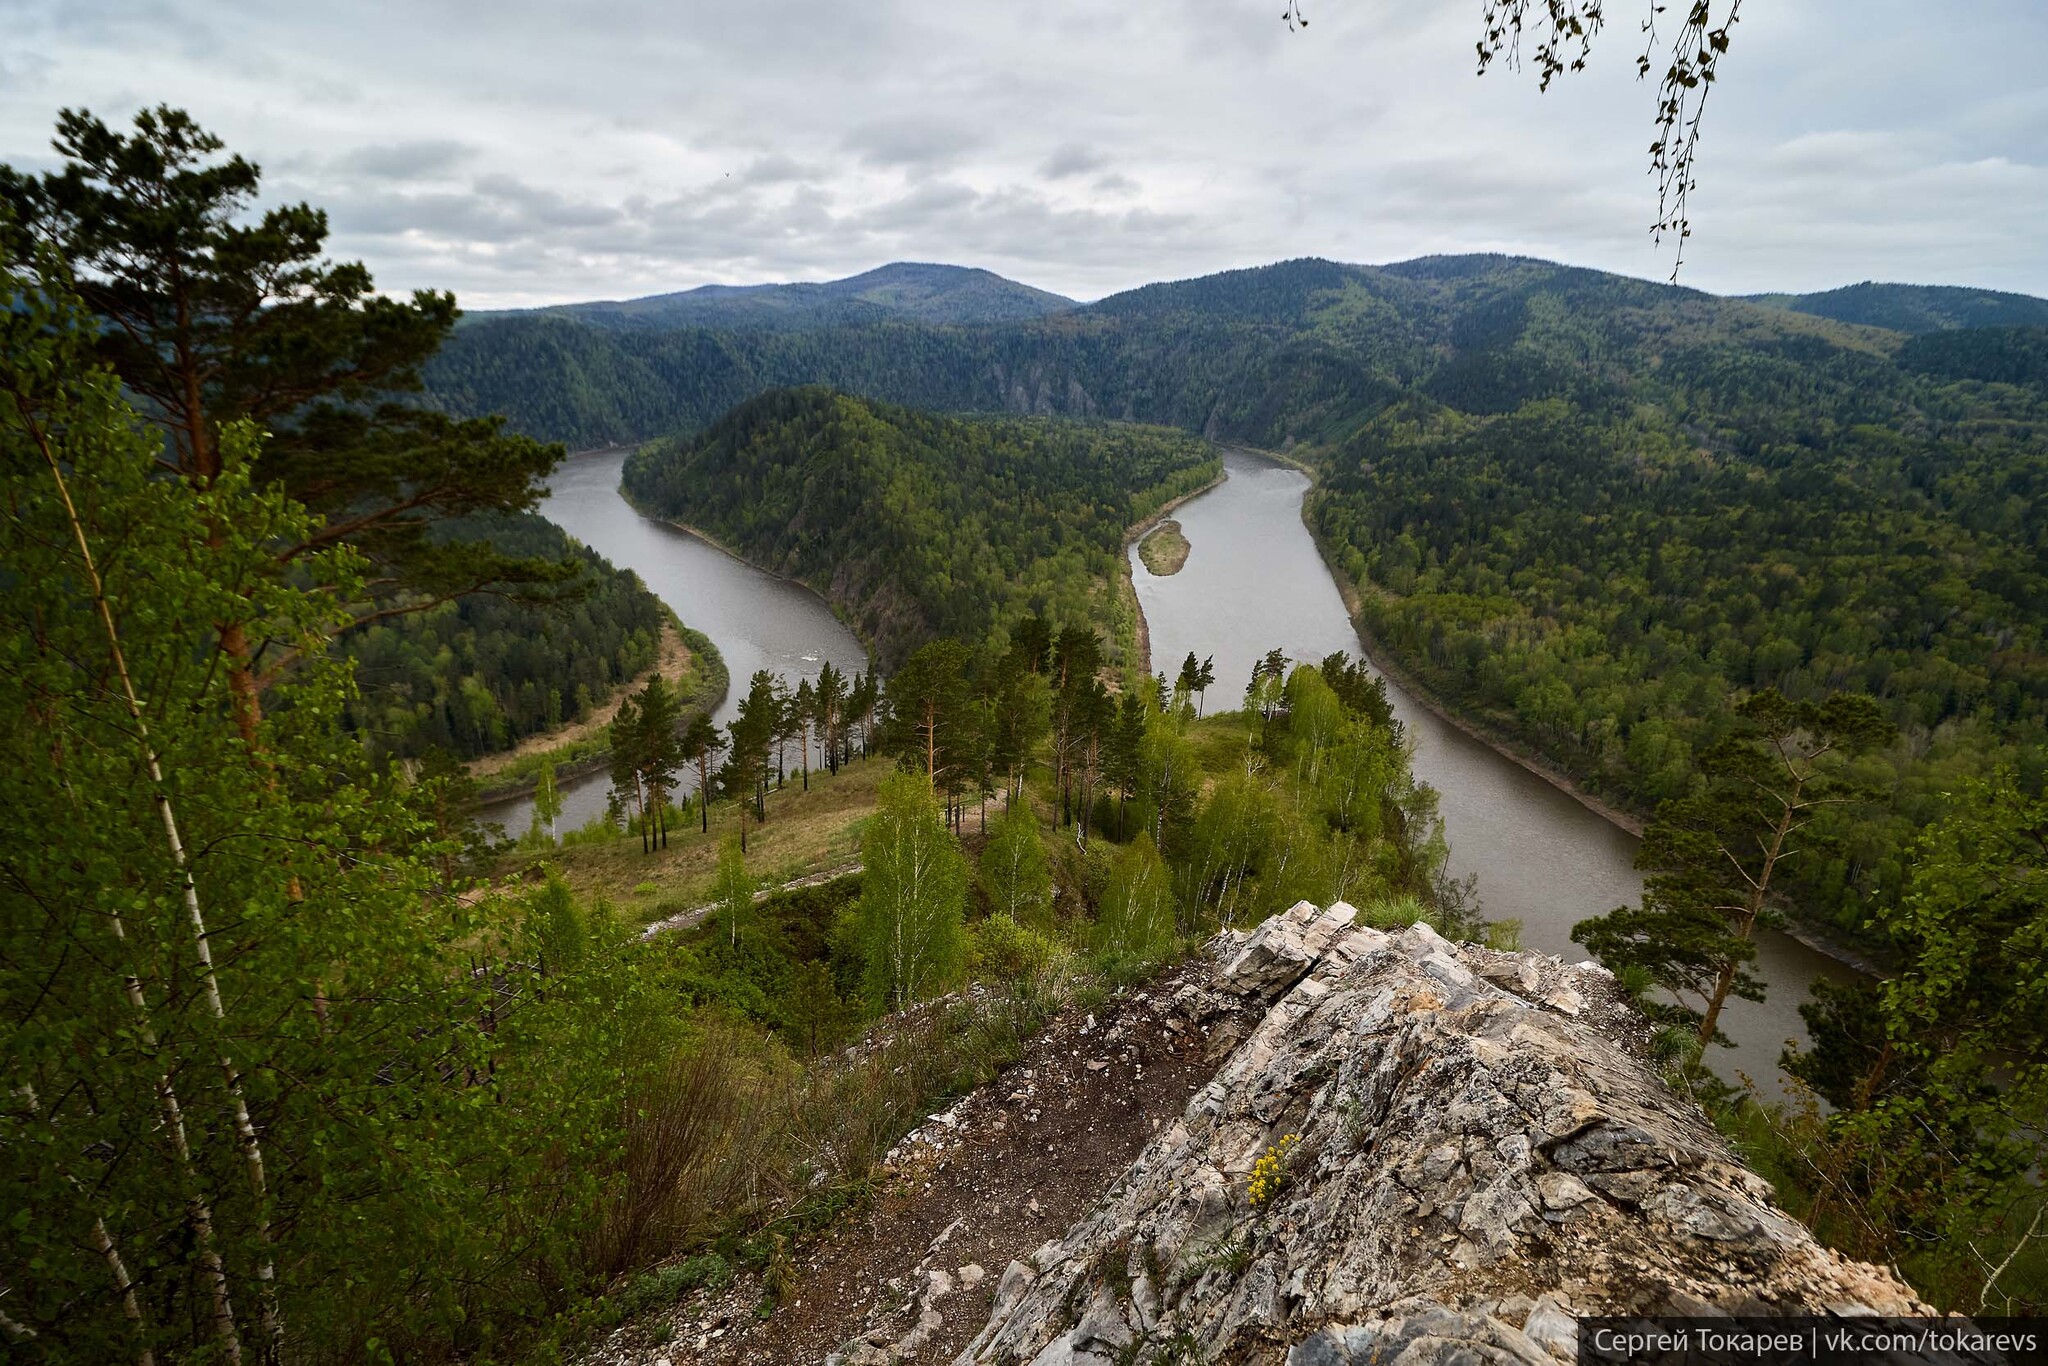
1480	1161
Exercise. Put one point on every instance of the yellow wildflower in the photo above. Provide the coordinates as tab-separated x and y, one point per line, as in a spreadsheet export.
1269	1173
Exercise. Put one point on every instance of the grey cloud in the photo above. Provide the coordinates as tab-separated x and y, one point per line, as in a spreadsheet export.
777	169
913	141
405	160
634	145
545	207
1071	159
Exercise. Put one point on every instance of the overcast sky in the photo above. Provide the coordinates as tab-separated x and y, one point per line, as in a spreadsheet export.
532	151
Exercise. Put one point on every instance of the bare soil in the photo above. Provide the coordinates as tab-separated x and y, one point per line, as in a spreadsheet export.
986	1182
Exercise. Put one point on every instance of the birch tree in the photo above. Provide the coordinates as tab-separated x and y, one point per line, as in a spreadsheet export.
913	896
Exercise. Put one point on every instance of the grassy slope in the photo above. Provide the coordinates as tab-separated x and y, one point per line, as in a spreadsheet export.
807	833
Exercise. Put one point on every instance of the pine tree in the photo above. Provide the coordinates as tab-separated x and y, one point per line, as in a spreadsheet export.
803	716
927	702
831	712
659	754
1714	858
211	318
1188	682
699	747
627	739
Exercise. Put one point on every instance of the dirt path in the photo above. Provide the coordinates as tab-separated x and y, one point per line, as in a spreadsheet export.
672	662
682	920
978	1186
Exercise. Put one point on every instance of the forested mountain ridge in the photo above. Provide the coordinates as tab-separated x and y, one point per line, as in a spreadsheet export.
1297	351
1588	510
921	526
908	291
1915	308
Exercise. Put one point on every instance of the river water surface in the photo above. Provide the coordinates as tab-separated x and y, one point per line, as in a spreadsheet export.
756	620
1254	580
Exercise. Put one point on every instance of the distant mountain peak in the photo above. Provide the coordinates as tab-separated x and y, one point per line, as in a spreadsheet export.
900	291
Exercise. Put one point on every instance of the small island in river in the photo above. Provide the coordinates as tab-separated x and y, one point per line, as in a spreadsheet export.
1164	549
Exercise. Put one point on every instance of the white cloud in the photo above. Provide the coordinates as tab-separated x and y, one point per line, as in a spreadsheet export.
524	152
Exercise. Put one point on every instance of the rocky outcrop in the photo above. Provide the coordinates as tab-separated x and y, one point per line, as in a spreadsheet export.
1481	1158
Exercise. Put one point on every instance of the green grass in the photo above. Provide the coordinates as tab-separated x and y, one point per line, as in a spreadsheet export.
1165	550
807	832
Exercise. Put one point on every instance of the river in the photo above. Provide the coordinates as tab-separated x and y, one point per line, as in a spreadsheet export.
756	620
1254	580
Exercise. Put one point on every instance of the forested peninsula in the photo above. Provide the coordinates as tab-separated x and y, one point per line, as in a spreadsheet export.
919	526
479	674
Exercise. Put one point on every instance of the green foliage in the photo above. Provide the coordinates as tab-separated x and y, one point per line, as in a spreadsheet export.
913	897
921	526
556	925
1714	857
1939	1076
1918	308
1603	588
732	893
422	1092
1990	355
1006	950
1136	920
1015	875
1319	806
212	314
485	671
547	800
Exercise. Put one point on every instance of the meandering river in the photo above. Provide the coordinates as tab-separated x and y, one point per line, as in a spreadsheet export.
1254	580
758	621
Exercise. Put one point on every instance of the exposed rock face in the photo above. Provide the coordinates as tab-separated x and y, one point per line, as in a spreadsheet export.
1481	1160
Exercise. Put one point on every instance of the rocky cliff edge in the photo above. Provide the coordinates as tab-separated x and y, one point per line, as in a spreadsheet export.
1481	1157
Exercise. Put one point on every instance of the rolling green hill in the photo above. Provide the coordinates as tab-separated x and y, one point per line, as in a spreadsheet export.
920	526
904	291
1916	308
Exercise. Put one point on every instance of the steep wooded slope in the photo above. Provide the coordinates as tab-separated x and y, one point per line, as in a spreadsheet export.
917	525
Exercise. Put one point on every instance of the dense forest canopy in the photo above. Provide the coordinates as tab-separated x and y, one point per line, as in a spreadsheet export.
1917	308
920	525
1267	355
485	671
